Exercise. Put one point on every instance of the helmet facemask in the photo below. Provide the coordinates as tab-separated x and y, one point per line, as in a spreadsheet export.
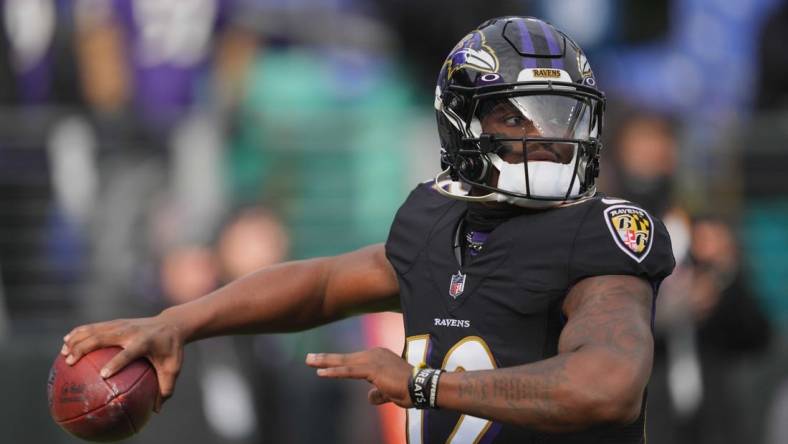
525	144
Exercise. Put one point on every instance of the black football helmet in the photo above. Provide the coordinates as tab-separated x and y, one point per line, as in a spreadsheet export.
531	77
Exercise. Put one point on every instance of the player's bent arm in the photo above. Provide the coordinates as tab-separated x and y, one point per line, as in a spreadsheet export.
599	375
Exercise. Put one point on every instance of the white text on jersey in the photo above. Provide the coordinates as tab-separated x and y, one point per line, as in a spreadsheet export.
462	323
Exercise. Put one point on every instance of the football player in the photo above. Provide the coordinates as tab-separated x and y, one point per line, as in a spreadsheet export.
527	296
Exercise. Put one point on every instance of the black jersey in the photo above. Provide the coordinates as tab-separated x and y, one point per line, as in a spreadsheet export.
502	307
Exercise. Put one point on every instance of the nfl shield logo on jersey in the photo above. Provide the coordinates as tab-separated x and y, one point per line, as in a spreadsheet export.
457	285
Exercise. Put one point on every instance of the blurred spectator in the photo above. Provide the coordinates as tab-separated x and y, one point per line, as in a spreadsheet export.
765	206
145	67
708	322
42	252
254	238
772	89
223	383
104	71
323	109
39	35
706	316
644	156
235	51
251	239
762	155
188	273
642	159
153	53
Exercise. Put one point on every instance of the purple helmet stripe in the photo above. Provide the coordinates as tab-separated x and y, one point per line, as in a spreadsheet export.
528	45
552	44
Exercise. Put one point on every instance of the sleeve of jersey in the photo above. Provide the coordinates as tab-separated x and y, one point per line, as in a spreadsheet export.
621	238
408	233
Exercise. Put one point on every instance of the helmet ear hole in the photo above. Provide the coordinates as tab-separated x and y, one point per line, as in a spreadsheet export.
453	101
474	168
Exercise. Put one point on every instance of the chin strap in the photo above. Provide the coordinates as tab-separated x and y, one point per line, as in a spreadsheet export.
457	190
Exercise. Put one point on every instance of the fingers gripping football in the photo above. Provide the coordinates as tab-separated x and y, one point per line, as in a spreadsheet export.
382	368
86	338
151	338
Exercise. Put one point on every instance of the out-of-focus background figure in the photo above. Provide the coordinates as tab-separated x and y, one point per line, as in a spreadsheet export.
708	325
153	150
708	322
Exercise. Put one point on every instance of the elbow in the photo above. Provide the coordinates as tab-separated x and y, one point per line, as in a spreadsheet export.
613	398
618	410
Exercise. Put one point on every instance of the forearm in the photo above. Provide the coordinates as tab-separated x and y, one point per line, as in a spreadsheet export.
285	297
292	296
570	391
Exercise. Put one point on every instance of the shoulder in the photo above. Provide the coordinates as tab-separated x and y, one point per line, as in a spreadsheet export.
617	236
426	192
422	204
414	221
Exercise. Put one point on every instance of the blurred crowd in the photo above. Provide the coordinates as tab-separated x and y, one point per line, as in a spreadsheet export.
152	150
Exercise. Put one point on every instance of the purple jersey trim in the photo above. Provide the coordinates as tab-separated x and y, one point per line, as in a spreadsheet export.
553	45
528	45
491	433
478	238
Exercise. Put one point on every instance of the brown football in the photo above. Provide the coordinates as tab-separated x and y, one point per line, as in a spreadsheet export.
97	409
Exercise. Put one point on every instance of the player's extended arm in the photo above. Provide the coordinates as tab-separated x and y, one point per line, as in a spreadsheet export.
286	297
293	296
599	375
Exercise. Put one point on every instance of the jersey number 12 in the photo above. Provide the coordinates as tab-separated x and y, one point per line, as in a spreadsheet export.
470	353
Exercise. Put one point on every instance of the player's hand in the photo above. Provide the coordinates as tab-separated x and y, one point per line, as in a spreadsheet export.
386	371
154	338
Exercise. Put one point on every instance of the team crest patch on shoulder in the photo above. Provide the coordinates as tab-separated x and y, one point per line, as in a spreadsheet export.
632	230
